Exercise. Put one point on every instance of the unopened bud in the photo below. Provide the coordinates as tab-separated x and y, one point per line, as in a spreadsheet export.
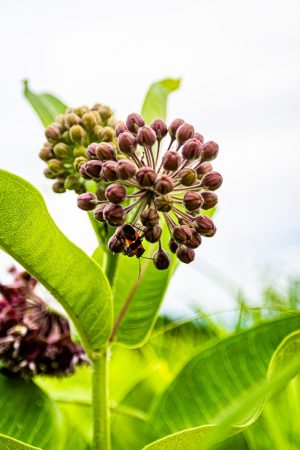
164	184
114	215
93	168
78	162
212	181
105	112
96	132
205	226
209	151
199	137
145	176
98	213
195	240
109	171
106	134
120	128
49	174
185	132
61	150
89	120
72	182
81	110
185	254
188	176
125	169
80	189
134	122
100	194
174	127
79	150
96	107
105	151
171	160
56	166
181	234
160	128
52	132
91	150
210	199
203	168
46	153
163	203
71	119
77	134
59	187
127	142
192	200
173	246
149	217
161	259
153	234
115	193
87	201
191	149
146	136
116	245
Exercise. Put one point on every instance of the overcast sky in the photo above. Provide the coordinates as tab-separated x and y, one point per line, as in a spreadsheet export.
240	66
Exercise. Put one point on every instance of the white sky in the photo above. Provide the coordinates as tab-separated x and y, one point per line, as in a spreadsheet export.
240	65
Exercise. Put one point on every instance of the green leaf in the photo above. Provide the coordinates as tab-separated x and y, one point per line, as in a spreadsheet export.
230	376
7	443
45	105
155	103
28	233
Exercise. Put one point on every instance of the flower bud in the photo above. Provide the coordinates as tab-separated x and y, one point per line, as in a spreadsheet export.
185	132
55	166
212	181
114	215
72	182
209	151
61	150
205	226
145	176
188	176
105	112
174	127
171	160
87	201
106	134
161	259
81	110
100	194
98	213
79	150
49	174
160	128
199	137
134	122
120	128
203	168
105	151
71	119
78	162
173	246
77	134
125	169
163	203
91	151
185	254
195	240
164	184
149	217
65	137
96	132
153	234
181	234
59	187
115	193
93	168
109	171
127	142
210	199
146	136
52	132
192	200
116	245
191	149
80	189
46	153
89	120
96	107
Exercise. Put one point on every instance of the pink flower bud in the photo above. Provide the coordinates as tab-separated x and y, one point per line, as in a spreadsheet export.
192	200
174	127
210	199
116	245
209	151
195	240
93	168
164	184
191	149
173	246
185	254
161	259
105	151
153	234
114	215
149	217
127	142
98	213
120	128
52	132
163	203
203	168
91	151
134	121
199	137
146	136
115	193
212	181
181	234
145	176
109	171
171	160
87	201
205	226
185	132
46	153
125	169
160	128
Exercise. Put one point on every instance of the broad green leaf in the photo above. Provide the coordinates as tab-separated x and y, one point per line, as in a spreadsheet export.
45	105
28	233
155	103
221	377
7	443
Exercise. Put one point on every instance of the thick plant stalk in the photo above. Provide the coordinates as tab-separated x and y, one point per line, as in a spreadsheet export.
100	402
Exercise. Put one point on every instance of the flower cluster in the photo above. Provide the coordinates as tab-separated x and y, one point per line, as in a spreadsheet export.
67	140
33	339
147	182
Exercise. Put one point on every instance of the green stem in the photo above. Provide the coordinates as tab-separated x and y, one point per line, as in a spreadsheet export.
111	260
100	402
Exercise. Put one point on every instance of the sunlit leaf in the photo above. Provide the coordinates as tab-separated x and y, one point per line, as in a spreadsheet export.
45	105
28	233
155	103
7	443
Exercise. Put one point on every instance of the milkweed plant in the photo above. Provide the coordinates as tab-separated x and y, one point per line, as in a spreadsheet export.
88	375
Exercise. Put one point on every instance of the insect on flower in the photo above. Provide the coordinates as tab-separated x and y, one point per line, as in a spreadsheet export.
133	240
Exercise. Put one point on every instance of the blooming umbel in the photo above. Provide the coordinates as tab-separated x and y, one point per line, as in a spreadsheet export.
67	140
33	339
145	184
